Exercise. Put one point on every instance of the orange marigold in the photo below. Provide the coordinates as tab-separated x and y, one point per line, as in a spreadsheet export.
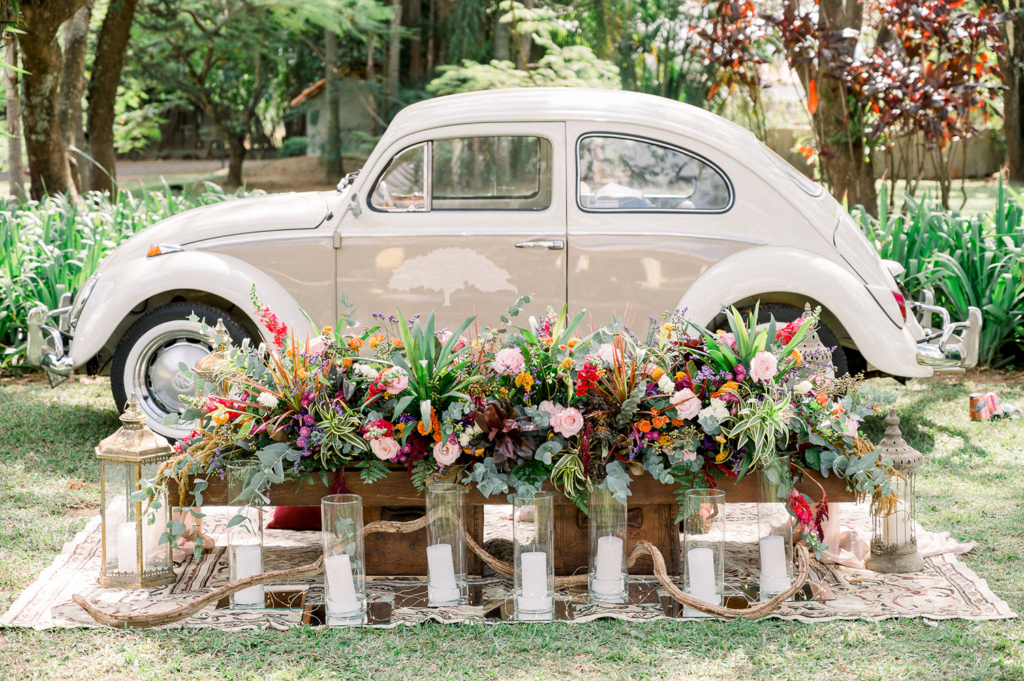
524	381
347	362
659	421
680	375
644	426
355	343
657	373
397	342
822	399
566	363
573	341
678	422
797	357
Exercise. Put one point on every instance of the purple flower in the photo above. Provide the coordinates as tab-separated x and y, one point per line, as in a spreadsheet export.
741	373
307	399
652	435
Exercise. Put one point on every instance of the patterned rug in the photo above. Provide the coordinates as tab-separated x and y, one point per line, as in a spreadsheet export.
946	589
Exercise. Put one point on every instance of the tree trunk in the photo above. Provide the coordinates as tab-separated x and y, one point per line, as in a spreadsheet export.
72	84
17	178
106	76
236	146
844	158
413	13
332	146
41	58
525	43
394	53
501	43
1011	64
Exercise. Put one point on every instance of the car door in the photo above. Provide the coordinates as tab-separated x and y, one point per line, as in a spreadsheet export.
460	220
646	217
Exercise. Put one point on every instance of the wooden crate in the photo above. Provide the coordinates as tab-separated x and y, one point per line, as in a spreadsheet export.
651	516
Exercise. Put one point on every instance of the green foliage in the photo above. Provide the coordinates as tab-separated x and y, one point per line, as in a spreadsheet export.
971	261
573	66
372	471
293	146
53	246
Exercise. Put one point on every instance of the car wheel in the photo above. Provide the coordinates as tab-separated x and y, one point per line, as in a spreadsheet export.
823	337
148	358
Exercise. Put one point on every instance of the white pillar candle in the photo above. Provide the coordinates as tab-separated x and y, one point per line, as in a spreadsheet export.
608	575
341	586
534	566
127	552
700	565
248	563
774	578
441	574
896	527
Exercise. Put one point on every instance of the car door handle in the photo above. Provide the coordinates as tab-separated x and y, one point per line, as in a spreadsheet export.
552	245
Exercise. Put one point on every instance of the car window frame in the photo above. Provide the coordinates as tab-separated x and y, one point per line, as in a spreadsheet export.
428	169
665	145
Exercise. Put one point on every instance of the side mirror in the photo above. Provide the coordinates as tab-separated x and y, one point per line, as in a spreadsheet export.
347	180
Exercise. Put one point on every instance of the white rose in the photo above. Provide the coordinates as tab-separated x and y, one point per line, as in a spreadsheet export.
366	370
666	385
803	387
267	400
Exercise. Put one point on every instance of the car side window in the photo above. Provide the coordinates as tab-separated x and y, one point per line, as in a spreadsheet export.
629	174
400	188
491	173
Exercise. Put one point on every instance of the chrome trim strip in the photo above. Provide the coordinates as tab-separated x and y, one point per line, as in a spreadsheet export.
684	235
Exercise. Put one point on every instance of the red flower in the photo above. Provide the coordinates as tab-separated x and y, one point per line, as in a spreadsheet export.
786	333
586	378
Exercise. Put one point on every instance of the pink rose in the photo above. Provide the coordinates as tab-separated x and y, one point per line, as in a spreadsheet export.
686	403
607	353
459	344
851	426
763	367
567	422
317	346
447	453
385	448
395	380
728	338
689	456
550	407
509	361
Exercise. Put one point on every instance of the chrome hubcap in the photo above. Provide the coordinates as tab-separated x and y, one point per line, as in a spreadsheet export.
158	375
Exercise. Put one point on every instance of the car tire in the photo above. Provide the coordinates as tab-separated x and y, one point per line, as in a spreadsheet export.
148	356
823	337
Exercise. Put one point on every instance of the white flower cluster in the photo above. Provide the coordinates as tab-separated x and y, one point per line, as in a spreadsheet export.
468	434
717	408
666	386
267	400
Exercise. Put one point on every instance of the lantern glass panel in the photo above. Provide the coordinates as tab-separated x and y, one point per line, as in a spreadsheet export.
156	556
119	531
245	539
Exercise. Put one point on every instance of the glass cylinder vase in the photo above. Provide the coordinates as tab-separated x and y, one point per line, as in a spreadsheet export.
533	537
608	573
704	547
775	527
448	582
245	537
344	559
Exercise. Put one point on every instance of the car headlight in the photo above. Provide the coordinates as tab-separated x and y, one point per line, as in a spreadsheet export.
81	298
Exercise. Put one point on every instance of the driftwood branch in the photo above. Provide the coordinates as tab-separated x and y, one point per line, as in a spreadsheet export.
641	549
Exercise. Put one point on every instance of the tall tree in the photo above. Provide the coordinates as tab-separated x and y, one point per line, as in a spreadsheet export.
106	76
332	99
1011	63
72	84
41	58
13	101
394	52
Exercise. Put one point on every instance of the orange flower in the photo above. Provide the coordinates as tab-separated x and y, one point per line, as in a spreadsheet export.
355	343
657	373
347	362
548	340
397	342
680	375
644	426
573	341
838	410
399	427
822	399
797	357
220	418
678	422
435	426
660	421
326	330
730	387
376	339
566	363
422	428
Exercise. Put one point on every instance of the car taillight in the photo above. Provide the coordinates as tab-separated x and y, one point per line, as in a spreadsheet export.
901	301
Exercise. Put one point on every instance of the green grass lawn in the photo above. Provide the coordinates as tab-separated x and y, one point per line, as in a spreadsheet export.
972	484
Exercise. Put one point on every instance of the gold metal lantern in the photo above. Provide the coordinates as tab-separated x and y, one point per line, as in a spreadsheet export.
133	557
206	368
894	534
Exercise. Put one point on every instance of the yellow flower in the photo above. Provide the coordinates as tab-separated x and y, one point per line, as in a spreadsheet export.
797	357
664	441
327	330
722	456
721	439
572	342
375	340
667	327
566	363
657	373
220	418
680	375
524	381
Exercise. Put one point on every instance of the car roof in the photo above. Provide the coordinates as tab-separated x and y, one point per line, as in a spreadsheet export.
571	104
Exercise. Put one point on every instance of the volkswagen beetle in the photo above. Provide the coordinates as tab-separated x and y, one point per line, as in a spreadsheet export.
619	203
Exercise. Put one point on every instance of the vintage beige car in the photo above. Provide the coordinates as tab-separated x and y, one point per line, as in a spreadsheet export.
623	204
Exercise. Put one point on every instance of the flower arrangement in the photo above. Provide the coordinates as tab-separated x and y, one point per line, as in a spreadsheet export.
511	407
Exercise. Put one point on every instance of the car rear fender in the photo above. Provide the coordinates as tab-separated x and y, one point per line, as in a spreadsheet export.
128	284
748	274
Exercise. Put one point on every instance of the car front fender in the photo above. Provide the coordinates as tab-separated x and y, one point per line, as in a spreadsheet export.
126	284
775	269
